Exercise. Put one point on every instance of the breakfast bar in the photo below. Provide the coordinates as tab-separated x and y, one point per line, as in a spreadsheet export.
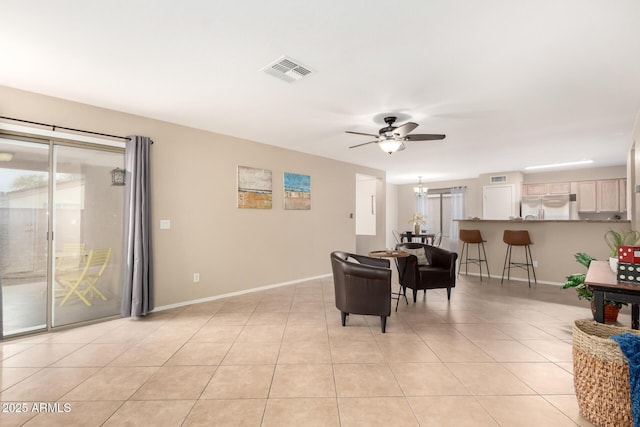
554	244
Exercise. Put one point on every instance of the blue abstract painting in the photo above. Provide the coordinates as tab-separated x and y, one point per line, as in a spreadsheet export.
297	191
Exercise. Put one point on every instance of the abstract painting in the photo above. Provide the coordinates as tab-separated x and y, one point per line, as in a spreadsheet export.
297	191
254	188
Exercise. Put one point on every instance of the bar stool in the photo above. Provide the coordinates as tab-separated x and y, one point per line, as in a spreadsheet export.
472	237
518	238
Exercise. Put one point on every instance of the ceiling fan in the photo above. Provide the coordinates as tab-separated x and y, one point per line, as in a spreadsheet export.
391	138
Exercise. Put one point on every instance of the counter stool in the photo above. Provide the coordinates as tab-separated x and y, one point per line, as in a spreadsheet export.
472	237
518	238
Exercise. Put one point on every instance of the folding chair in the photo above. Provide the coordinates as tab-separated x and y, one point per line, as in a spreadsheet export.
71	258
83	281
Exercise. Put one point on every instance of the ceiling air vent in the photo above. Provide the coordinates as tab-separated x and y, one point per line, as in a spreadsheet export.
287	69
497	179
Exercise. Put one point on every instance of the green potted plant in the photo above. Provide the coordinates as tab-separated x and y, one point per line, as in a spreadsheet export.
577	282
615	239
417	220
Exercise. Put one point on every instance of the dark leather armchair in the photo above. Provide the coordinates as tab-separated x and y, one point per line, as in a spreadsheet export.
362	286
438	272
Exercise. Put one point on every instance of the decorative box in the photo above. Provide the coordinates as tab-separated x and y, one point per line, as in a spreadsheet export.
629	254
628	272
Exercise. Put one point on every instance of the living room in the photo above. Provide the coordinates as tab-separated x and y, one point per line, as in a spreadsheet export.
277	252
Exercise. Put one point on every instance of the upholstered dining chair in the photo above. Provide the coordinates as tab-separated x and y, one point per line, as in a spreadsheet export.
362	285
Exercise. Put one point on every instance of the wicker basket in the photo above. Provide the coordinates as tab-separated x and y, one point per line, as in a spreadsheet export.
601	374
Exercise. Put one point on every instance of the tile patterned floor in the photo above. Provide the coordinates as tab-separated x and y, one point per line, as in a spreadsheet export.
492	356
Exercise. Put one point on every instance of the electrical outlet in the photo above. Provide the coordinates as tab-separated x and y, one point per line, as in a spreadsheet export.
196	277
535	264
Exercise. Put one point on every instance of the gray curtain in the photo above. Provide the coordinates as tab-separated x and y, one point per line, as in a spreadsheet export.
458	211
137	290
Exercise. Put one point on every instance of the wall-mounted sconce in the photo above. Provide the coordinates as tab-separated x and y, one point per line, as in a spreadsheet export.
117	176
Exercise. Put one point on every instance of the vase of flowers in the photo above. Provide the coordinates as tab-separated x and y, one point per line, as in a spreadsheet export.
417	220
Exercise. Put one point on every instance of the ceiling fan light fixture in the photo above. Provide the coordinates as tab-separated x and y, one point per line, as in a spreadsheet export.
390	145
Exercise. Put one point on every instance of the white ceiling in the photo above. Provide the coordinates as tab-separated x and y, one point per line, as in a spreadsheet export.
512	83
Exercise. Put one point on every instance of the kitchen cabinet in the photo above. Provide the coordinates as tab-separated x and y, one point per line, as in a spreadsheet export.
559	188
535	189
608	195
544	189
586	196
622	185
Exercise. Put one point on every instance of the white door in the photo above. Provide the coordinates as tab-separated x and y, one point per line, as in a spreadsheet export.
365	205
498	202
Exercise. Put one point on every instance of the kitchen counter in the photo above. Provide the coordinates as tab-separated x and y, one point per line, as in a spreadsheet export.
554	244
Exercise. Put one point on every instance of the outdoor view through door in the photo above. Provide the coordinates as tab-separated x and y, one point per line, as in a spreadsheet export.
52	189
439	214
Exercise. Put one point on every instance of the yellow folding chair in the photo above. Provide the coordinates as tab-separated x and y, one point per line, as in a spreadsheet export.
83	281
71	258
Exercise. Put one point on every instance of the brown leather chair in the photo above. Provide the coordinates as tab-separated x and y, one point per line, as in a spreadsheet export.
438	272
362	286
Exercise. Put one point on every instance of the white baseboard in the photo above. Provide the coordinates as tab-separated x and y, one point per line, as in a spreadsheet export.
242	292
516	279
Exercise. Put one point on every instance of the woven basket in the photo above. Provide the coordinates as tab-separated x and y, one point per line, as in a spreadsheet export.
601	374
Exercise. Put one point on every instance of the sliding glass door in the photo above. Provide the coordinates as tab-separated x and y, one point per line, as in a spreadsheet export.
60	234
87	219
24	190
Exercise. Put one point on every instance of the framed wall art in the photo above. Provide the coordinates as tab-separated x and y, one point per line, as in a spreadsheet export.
255	188
297	191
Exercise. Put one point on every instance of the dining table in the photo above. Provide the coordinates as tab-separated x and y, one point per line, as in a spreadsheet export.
424	237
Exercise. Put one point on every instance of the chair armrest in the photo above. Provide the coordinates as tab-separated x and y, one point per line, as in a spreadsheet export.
367	260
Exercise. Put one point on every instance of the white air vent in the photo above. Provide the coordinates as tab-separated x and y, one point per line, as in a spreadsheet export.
287	69
497	179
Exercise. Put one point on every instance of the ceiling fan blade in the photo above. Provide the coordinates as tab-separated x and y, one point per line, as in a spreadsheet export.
360	133
424	137
404	129
360	145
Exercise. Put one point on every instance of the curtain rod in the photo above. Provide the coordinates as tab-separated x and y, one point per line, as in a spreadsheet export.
54	127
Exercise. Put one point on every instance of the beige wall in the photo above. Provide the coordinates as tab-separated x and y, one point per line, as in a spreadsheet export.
194	185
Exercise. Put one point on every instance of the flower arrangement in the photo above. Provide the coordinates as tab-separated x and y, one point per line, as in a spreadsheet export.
417	220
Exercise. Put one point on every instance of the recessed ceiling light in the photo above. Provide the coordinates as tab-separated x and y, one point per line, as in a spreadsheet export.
557	165
6	157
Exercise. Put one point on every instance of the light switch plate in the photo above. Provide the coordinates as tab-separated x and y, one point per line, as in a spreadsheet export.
165	224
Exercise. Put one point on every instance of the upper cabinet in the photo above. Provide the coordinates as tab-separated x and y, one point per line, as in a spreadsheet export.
607	195
586	196
535	189
559	188
623	194
544	189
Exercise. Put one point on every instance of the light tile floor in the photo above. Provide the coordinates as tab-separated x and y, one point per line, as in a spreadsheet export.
492	356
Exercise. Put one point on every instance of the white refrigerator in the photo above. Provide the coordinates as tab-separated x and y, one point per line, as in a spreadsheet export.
550	207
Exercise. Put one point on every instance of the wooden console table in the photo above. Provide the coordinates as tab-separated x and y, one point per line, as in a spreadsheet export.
605	286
